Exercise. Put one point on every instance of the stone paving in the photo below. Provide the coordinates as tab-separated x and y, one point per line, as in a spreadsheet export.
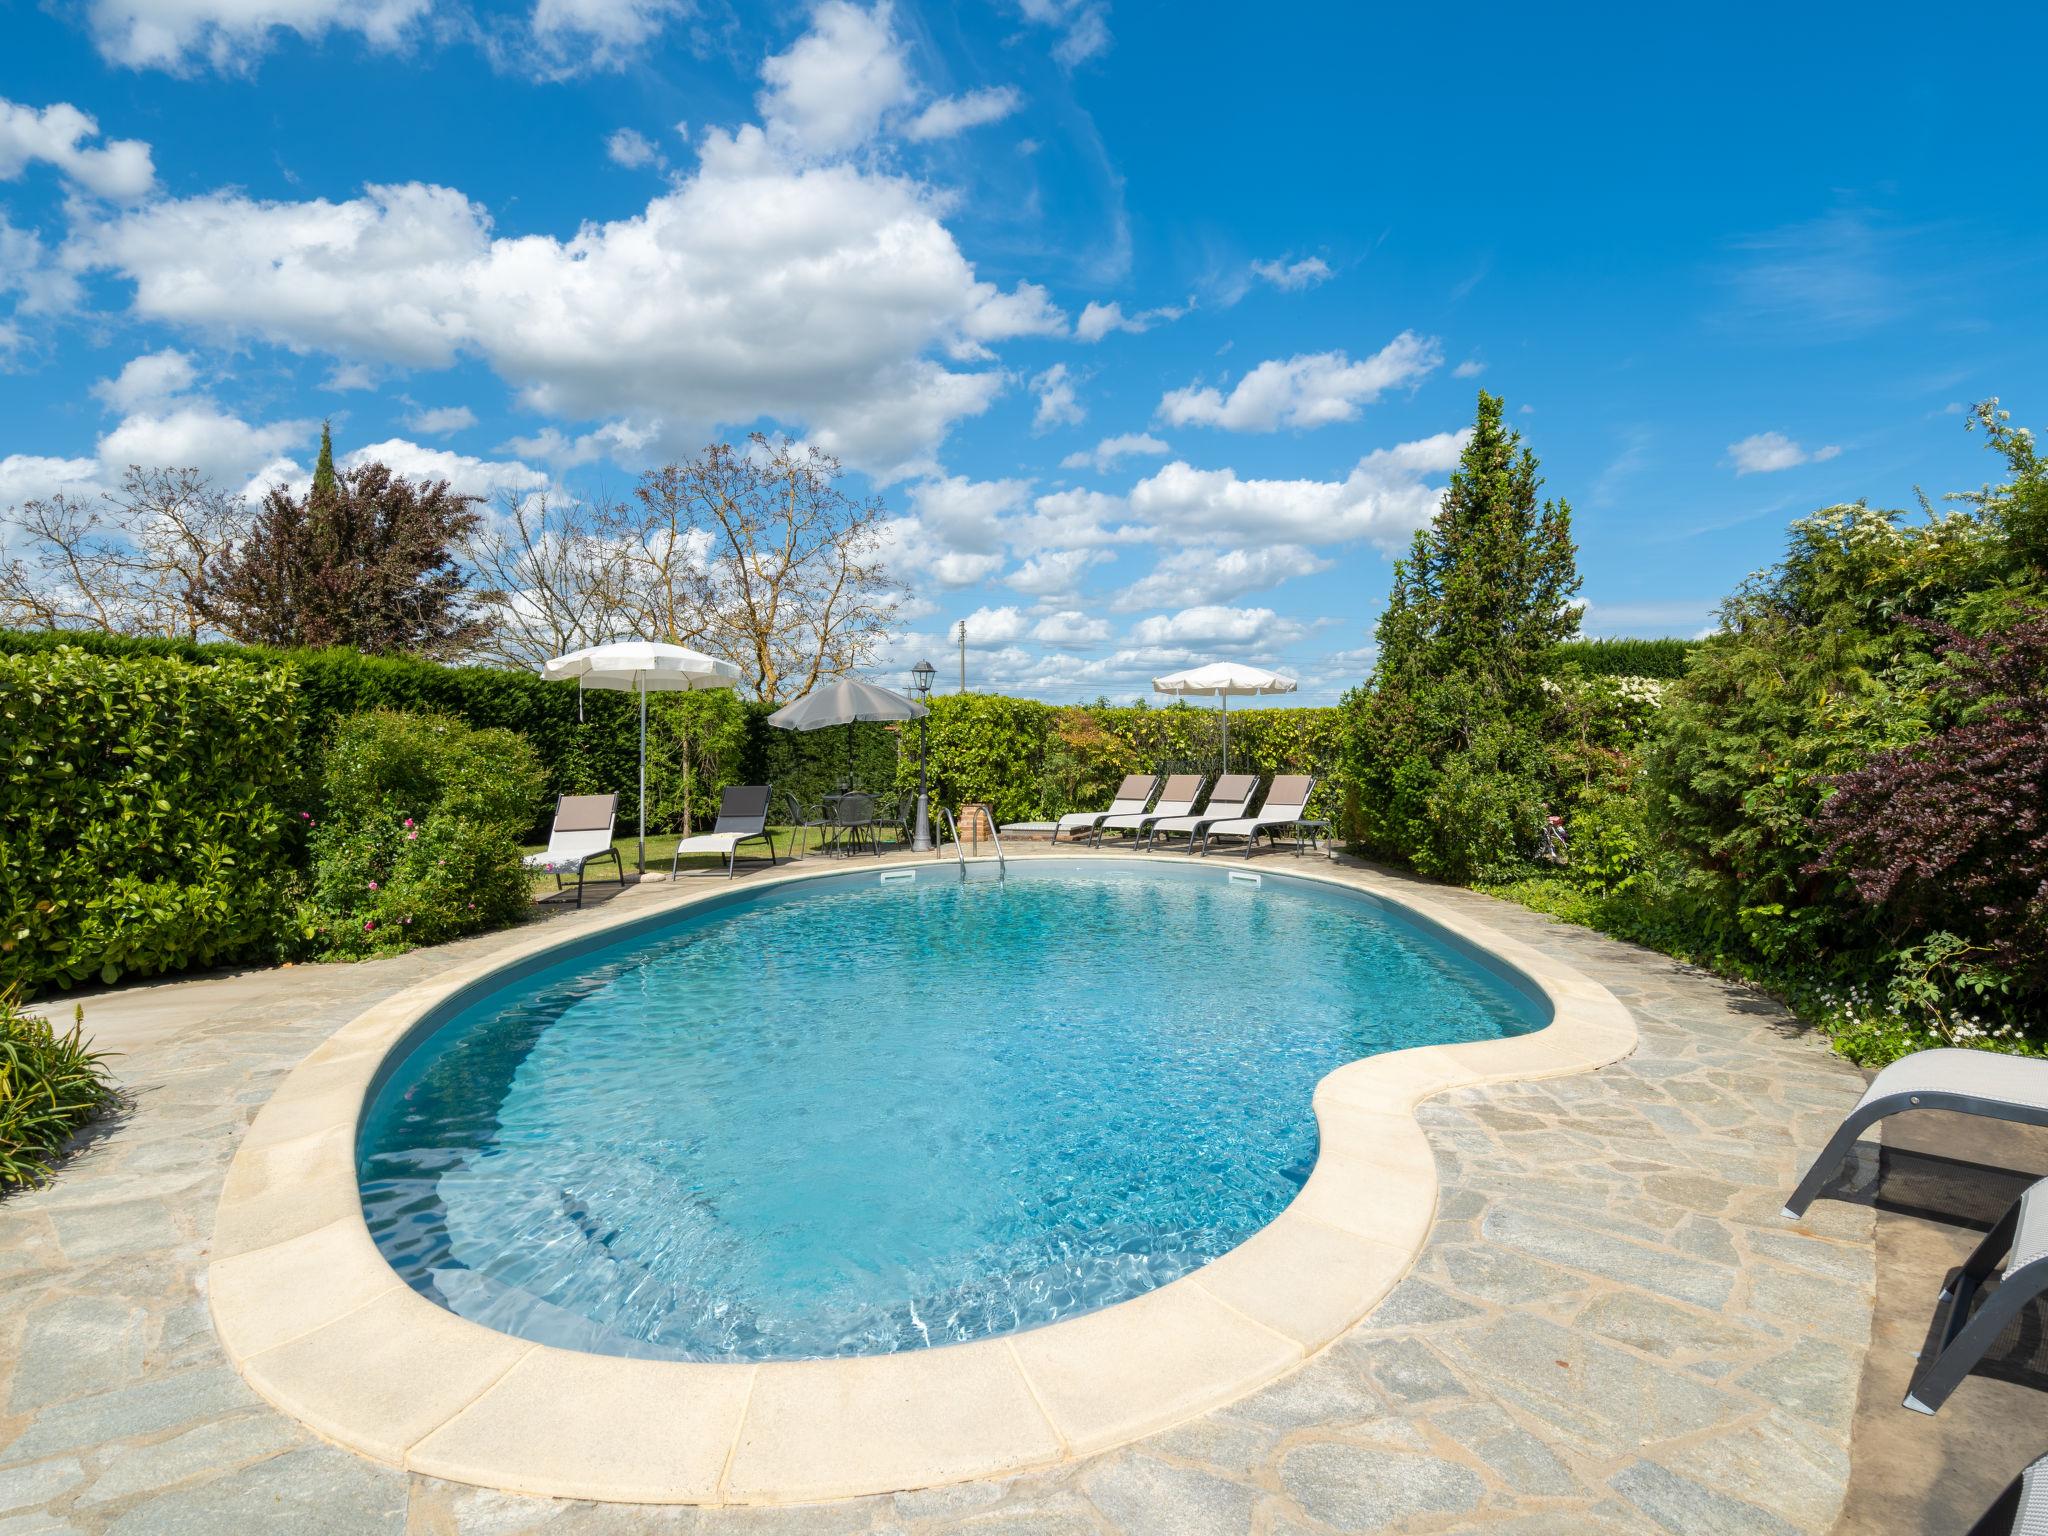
1610	1330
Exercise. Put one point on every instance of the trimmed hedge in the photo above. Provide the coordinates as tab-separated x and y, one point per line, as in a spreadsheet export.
599	752
142	821
1032	761
1625	658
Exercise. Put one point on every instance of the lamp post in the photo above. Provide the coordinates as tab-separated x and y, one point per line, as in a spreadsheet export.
921	679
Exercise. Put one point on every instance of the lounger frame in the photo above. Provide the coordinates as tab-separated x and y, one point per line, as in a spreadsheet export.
1873	1109
1965	1339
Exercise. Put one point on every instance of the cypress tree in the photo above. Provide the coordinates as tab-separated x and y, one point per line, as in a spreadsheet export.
324	480
1447	741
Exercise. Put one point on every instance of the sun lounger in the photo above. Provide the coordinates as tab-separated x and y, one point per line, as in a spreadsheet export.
580	837
1132	796
1286	803
742	818
2022	1509
1231	797
2020	1239
1177	799
1968	1082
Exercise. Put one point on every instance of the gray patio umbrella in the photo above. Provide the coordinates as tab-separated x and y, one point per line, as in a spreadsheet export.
643	667
841	702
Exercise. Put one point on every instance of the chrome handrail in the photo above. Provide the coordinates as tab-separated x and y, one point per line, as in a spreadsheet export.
939	841
989	811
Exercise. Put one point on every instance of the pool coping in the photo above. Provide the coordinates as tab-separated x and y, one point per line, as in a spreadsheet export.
319	1324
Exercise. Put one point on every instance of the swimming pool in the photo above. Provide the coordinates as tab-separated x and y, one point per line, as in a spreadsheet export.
858	1116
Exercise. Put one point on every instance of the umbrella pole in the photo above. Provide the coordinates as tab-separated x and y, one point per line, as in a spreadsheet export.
1226	733
642	681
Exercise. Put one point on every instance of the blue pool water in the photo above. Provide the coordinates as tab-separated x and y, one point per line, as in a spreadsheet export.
863	1117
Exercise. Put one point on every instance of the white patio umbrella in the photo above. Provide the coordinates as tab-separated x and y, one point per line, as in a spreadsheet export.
1225	680
643	667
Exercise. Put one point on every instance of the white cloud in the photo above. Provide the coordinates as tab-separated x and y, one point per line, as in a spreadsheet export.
1026	310
1052	572
1069	627
633	149
1212	624
1307	391
57	135
465	474
1058	403
956	114
1471	368
200	435
1295	276
148	380
1202	574
954	534
578	35
968	514
809	295
1098	320
1111	451
1766	452
828	93
1383	499
442	420
1083	26
34	477
995	626
45	285
230	34
1076	519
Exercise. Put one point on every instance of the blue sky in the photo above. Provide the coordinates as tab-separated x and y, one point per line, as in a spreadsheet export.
1154	326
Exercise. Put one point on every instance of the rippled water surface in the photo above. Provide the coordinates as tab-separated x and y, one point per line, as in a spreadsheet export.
873	1117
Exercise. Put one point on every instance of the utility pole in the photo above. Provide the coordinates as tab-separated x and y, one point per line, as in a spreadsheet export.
963	655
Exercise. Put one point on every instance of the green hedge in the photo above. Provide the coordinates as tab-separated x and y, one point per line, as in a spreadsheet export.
1033	761
142	817
1626	658
598	753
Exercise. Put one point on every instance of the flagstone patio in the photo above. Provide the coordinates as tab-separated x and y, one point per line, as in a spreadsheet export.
1611	1327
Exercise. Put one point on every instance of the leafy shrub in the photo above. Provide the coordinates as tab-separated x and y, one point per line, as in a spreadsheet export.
418	836
50	1085
140	821
1948	836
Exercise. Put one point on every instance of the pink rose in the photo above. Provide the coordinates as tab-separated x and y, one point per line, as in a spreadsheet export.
373	885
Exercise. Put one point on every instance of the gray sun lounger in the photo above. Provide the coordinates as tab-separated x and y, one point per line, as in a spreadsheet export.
2020	1239
1177	799
580	837
2022	1509
1232	796
1985	1083
742	818
1286	803
1132	796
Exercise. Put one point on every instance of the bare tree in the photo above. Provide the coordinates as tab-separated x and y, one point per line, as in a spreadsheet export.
561	576
757	554
136	561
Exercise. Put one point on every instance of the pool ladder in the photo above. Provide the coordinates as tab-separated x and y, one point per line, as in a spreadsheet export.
952	828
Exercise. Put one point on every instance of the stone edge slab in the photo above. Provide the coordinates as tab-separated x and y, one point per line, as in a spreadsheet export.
293	1265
